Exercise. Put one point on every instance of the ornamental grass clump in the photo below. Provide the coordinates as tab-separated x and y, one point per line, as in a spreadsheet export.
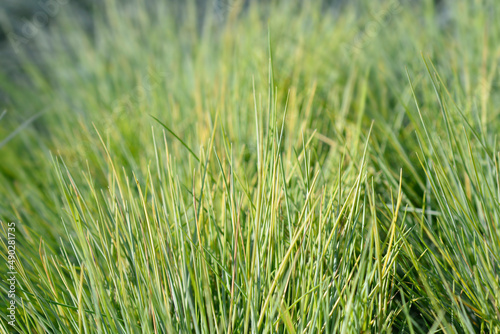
253	167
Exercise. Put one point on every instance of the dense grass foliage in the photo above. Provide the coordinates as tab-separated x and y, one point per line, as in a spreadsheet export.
282	167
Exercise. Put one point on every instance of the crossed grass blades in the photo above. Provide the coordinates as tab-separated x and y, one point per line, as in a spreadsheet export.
238	173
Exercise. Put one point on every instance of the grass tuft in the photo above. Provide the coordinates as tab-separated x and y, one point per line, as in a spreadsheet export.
254	167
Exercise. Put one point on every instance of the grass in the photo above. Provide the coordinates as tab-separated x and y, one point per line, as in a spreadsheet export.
255	168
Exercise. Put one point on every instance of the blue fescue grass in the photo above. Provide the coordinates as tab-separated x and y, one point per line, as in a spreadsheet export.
271	167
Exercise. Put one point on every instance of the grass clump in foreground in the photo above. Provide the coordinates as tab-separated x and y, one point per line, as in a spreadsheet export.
258	168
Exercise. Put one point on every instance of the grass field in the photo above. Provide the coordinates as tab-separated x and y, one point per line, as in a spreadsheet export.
261	167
